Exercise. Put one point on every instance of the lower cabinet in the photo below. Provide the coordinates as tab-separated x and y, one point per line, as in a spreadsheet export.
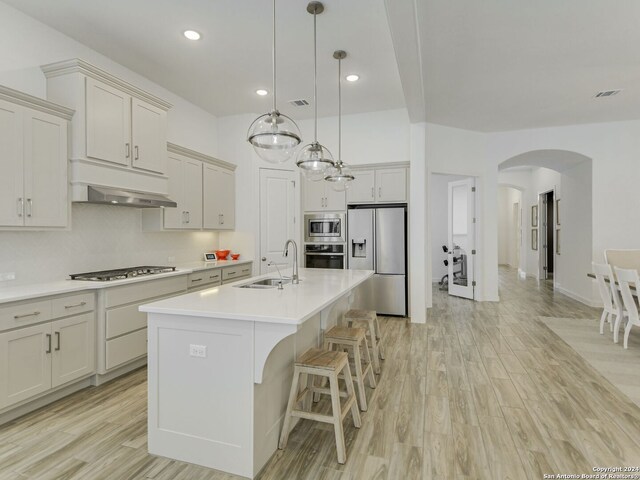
41	357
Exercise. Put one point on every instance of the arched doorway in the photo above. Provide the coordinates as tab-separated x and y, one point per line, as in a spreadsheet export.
556	209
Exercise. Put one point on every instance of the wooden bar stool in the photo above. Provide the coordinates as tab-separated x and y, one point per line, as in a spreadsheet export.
355	339
368	318
326	364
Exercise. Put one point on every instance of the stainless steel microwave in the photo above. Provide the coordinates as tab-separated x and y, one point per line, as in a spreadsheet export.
325	228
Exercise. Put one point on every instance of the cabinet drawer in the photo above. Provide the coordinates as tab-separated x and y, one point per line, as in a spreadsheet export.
65	306
126	348
123	320
206	277
230	274
24	313
137	292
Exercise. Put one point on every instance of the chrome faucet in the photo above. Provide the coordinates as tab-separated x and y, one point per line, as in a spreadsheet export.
295	279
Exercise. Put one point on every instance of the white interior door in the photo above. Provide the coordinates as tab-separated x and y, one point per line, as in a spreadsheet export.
278	216
461	228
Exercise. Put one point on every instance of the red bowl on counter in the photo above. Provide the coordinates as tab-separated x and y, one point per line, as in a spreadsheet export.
222	254
235	256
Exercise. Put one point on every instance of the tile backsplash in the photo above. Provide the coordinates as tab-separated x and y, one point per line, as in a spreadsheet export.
101	237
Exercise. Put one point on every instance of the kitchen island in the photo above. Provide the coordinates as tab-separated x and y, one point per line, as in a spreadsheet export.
220	364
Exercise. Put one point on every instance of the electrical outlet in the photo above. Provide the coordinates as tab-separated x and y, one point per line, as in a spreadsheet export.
4	277
198	351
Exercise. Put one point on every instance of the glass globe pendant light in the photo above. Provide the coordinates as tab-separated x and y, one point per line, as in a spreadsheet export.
340	175
314	158
274	136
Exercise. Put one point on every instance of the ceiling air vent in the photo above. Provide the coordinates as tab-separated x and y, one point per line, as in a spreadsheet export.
607	93
299	103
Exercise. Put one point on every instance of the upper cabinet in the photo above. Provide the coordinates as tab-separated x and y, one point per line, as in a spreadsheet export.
219	198
387	184
119	133
33	164
204	189
320	197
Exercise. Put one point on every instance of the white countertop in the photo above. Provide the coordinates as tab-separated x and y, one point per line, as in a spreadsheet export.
293	304
30	291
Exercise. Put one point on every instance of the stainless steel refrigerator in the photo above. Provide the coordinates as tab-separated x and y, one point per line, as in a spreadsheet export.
376	240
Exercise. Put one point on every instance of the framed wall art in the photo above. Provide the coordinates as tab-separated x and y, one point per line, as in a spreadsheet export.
534	216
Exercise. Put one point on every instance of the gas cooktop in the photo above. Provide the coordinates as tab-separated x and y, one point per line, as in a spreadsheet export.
121	273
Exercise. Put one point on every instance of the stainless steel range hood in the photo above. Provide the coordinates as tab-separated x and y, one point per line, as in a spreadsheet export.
125	198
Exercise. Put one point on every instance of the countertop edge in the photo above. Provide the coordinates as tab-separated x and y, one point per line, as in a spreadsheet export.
70	286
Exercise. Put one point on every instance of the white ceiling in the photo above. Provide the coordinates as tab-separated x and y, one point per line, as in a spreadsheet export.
221	72
496	65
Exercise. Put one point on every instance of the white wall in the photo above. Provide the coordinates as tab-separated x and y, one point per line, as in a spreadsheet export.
374	137
102	237
507	226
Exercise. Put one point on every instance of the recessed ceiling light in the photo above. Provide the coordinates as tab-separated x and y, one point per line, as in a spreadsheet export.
352	78
262	92
191	34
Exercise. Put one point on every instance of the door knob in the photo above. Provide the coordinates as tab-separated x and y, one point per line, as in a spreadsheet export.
264	259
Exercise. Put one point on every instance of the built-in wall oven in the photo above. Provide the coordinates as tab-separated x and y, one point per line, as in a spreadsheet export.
325	228
323	255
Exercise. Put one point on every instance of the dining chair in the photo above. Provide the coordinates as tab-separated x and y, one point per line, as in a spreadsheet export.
611	300
626	279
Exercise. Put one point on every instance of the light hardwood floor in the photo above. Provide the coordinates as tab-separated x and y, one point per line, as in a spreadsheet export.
483	390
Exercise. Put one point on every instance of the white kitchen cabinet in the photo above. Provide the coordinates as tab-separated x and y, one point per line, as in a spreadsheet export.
33	164
219	198
391	185
45	170
185	188
204	189
11	165
25	369
73	348
123	129
108	123
383	184
320	197
119	131
362	189
148	136
37	357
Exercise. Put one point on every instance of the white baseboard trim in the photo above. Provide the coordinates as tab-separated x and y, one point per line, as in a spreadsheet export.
575	296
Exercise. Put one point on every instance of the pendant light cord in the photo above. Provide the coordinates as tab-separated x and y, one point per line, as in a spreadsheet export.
339	111
273	55
315	79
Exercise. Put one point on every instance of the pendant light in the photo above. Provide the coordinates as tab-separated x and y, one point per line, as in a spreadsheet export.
340	175
274	136
314	159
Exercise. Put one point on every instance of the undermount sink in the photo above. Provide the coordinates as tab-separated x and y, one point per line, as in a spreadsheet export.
266	283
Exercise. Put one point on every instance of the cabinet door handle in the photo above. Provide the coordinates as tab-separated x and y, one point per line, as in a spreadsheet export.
48	343
213	277
30	207
25	315
127	147
137	152
20	206
379	192
81	304
222	215
188	217
184	216
219	219
193	280
57	341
